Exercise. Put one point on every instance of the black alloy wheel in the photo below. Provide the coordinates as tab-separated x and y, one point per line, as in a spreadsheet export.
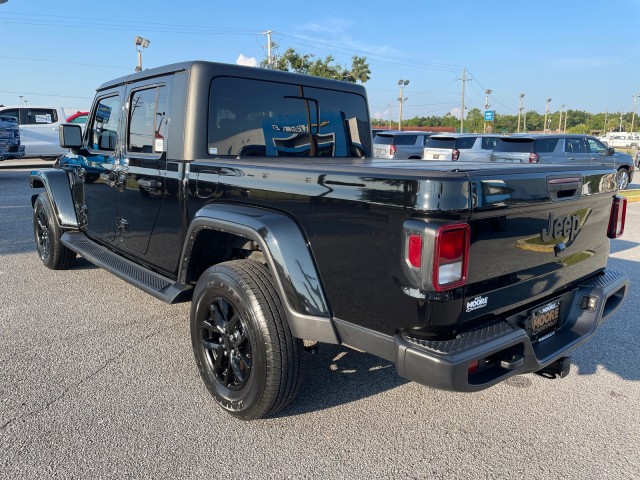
226	344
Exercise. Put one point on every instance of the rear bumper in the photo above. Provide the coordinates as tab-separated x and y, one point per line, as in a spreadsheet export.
445	364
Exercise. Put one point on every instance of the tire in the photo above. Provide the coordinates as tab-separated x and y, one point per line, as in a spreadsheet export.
242	344
47	233
622	178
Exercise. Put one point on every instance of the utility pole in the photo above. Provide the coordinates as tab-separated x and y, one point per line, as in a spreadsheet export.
560	121
389	107
21	101
546	115
520	110
269	56
401	99
464	81
633	117
566	115
486	106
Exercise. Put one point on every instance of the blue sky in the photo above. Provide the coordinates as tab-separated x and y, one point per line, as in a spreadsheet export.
581	54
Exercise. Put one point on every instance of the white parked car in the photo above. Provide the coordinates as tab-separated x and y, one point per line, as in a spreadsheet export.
460	147
38	129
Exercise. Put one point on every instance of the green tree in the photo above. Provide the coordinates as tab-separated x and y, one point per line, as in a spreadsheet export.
474	122
292	61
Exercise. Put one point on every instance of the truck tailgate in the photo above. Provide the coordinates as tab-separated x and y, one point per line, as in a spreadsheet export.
534	236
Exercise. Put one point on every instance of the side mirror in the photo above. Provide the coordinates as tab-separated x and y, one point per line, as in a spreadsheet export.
70	136
611	151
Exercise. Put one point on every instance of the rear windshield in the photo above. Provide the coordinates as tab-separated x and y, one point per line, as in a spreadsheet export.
546	145
404	139
524	145
435	142
249	117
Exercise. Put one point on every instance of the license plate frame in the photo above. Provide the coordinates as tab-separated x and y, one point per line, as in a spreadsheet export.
543	320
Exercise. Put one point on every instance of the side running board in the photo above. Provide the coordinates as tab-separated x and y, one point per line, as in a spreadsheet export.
151	282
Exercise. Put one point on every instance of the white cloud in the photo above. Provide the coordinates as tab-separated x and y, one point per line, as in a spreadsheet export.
247	61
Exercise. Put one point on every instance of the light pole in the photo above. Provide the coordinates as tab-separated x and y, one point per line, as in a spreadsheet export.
21	99
633	116
401	99
546	115
560	121
486	105
520	110
141	44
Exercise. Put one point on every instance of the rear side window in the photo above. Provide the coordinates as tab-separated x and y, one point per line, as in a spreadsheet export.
435	142
258	118
465	143
147	120
39	116
575	145
489	143
521	145
546	145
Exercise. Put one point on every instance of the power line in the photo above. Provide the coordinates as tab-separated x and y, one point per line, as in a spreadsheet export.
46	94
67	63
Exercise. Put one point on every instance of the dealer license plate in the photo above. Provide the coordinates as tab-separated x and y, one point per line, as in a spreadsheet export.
544	320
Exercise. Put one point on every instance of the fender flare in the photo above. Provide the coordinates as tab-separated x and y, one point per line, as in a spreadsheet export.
288	257
58	186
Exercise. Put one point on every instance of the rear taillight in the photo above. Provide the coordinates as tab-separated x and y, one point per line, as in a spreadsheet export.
451	256
533	158
392	149
455	154
617	217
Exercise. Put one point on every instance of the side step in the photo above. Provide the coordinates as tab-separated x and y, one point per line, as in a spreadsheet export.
153	283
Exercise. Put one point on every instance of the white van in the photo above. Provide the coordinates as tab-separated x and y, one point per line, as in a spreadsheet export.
38	129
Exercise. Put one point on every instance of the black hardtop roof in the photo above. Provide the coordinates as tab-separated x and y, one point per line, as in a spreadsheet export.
219	69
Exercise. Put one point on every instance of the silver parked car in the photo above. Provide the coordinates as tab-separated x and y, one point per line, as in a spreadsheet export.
461	148
563	149
394	144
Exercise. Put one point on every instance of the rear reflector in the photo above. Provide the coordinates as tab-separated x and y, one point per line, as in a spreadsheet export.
415	251
451	256
617	217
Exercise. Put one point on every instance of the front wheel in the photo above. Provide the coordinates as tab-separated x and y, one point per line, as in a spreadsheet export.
241	340
622	178
47	233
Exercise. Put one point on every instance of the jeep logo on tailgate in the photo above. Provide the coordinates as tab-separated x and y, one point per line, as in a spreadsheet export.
563	228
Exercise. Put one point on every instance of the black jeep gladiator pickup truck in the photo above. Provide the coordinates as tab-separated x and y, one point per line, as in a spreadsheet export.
253	194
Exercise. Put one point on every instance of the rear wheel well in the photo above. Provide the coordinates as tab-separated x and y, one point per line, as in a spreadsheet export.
214	246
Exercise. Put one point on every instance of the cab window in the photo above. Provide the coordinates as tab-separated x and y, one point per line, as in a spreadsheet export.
103	131
39	116
147	121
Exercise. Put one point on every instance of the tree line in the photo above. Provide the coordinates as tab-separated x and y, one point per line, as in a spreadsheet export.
577	121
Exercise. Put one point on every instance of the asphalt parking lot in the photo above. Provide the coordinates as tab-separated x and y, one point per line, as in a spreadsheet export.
97	380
